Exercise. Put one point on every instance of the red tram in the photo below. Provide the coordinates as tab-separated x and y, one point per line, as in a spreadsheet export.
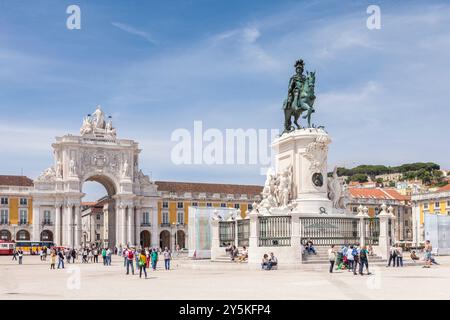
6	247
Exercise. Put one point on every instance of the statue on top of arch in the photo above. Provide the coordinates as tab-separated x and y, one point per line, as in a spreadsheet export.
95	123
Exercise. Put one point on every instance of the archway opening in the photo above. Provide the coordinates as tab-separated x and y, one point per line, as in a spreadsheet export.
5	235
47	235
23	235
145	238
98	212
181	239
164	239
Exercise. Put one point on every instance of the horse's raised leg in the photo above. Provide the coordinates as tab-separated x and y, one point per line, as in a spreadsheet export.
297	115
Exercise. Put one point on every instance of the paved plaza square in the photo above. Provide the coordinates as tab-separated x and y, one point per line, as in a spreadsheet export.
208	280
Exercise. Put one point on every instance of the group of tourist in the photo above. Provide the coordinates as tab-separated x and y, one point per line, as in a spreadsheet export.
269	261
234	253
395	256
143	258
349	258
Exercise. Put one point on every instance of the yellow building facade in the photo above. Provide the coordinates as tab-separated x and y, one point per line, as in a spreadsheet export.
16	208
437	202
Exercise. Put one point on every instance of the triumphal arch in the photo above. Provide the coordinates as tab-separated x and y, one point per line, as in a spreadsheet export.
94	155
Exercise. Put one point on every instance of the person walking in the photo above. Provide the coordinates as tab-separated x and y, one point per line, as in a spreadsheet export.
130	260
20	255
148	254
363	260
95	253
14	257
142	264
60	259
154	257
428	249
350	258
73	254
125	254
136	257
355	254
108	257
331	257
167	258
105	261
52	260
399	252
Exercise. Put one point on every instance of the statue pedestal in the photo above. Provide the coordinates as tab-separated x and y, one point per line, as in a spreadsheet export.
305	150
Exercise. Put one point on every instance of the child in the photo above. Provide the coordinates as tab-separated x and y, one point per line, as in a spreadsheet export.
52	260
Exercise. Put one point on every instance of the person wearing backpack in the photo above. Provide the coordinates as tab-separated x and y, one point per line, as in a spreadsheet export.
130	258
142	264
331	257
363	260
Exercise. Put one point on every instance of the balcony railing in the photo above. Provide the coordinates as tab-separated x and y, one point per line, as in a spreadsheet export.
47	223
146	224
165	225
4	222
23	223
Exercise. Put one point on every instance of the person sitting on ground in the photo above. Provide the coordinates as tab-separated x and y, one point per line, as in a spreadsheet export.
273	261
413	256
265	262
310	247
244	254
234	252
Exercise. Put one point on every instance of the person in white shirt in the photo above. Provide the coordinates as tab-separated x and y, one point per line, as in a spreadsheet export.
350	258
331	257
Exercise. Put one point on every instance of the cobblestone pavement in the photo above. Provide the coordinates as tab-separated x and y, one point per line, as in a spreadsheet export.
207	280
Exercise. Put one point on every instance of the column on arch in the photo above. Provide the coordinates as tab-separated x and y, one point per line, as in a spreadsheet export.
130	225
155	230
78	226
36	222
57	238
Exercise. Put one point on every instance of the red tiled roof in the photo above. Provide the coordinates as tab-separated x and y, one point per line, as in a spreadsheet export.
181	187
377	193
20	181
444	188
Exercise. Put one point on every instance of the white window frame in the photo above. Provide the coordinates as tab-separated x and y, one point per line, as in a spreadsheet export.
4	212
223	205
21	211
195	204
426	205
23	203
47	214
180	217
237	205
209	204
146	217
165	204
4	201
180	205
163	215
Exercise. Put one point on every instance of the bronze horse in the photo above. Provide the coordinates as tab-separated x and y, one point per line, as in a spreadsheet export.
302	101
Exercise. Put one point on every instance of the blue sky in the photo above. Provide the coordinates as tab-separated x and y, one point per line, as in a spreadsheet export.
155	67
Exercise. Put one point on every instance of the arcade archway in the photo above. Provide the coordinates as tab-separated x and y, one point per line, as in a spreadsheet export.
164	239
22	235
46	235
5	235
145	239
181	239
